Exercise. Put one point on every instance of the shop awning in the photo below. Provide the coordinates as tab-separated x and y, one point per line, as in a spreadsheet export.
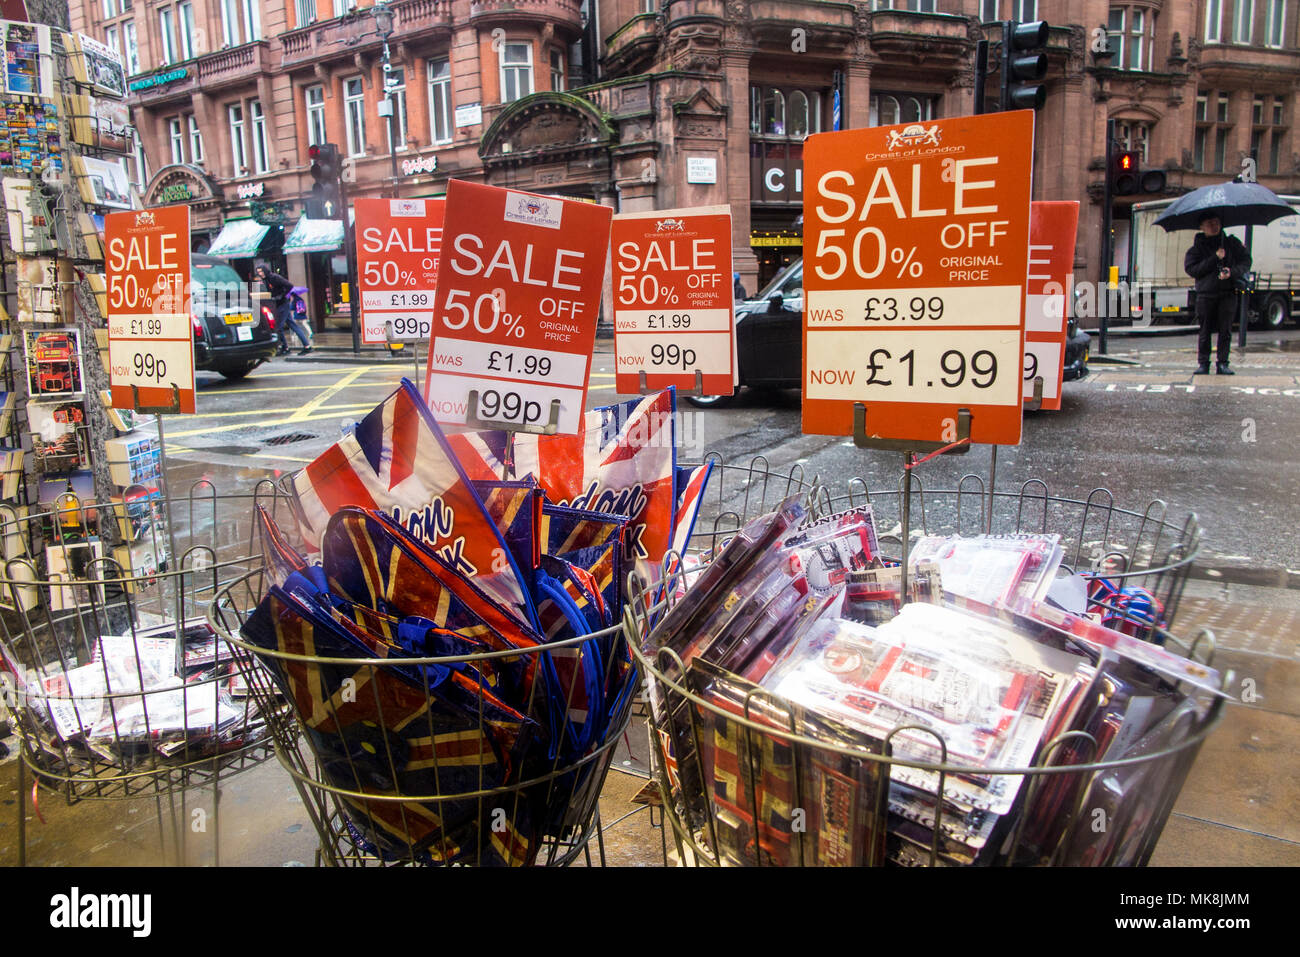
238	239
315	236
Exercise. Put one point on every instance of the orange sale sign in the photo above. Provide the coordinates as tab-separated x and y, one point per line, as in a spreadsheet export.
515	313
916	245
1052	230
673	312
399	242
150	336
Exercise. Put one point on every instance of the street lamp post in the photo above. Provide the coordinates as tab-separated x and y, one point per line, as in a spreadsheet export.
384	23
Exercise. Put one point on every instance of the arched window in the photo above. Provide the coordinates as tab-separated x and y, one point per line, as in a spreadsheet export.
798	114
774	113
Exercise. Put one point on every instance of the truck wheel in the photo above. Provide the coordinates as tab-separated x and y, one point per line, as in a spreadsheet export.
1276	312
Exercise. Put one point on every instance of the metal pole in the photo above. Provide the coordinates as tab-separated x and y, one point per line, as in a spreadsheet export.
981	73
1243	308
1004	100
392	118
350	250
1105	231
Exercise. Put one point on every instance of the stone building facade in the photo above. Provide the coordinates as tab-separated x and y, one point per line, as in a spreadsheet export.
643	104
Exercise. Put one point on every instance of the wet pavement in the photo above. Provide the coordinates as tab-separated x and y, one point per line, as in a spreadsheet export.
1145	428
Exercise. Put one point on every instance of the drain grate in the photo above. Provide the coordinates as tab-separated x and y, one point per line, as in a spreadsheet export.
288	439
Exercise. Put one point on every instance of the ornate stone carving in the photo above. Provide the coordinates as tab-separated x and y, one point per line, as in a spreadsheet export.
737	31
1187	159
550	128
862	29
1078	49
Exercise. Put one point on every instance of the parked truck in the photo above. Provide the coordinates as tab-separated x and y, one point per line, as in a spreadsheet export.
1156	258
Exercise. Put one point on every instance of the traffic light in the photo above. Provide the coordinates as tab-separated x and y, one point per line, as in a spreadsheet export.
1127	178
1024	65
326	194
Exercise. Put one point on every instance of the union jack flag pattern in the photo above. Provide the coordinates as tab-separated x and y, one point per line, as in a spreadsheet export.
622	463
398	461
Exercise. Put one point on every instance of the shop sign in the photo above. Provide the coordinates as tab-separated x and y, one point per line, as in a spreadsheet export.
399	243
150	340
159	79
270	213
776	172
250	190
776	240
421	164
916	245
1052	230
175	193
470	114
673	308
517	301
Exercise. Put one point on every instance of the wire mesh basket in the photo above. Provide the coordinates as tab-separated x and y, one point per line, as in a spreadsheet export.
118	686
749	778
390	775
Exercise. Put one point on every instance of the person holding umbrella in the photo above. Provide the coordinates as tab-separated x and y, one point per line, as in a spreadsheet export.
1220	263
280	289
1216	261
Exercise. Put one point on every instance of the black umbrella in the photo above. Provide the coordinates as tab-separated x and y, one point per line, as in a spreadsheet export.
1238	204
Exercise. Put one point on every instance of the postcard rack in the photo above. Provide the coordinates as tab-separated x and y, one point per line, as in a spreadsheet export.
746	780
110	702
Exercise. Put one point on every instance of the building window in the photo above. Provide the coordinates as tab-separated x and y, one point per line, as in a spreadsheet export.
1267	135
185	19
988	10
774	113
557	70
354	112
315	96
890	108
252	21
111	41
166	47
1026	11
1213	21
397	89
132	49
1212	132
516	71
238	148
1134	135
1274	23
141	165
784	113
1130	33
916	6
261	156
196	139
176	137
110	9
1243	21
240	21
306	10
440	100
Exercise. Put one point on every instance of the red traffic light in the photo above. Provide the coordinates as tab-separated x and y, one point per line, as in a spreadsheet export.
313	152
1127	162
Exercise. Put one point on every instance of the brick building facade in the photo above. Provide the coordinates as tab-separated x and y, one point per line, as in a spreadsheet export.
657	103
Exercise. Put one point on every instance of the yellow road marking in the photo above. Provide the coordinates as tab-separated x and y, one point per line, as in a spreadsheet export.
305	411
278	458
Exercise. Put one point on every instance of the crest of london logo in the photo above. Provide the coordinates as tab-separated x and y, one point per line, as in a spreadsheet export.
914	135
533	210
144	218
670	225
